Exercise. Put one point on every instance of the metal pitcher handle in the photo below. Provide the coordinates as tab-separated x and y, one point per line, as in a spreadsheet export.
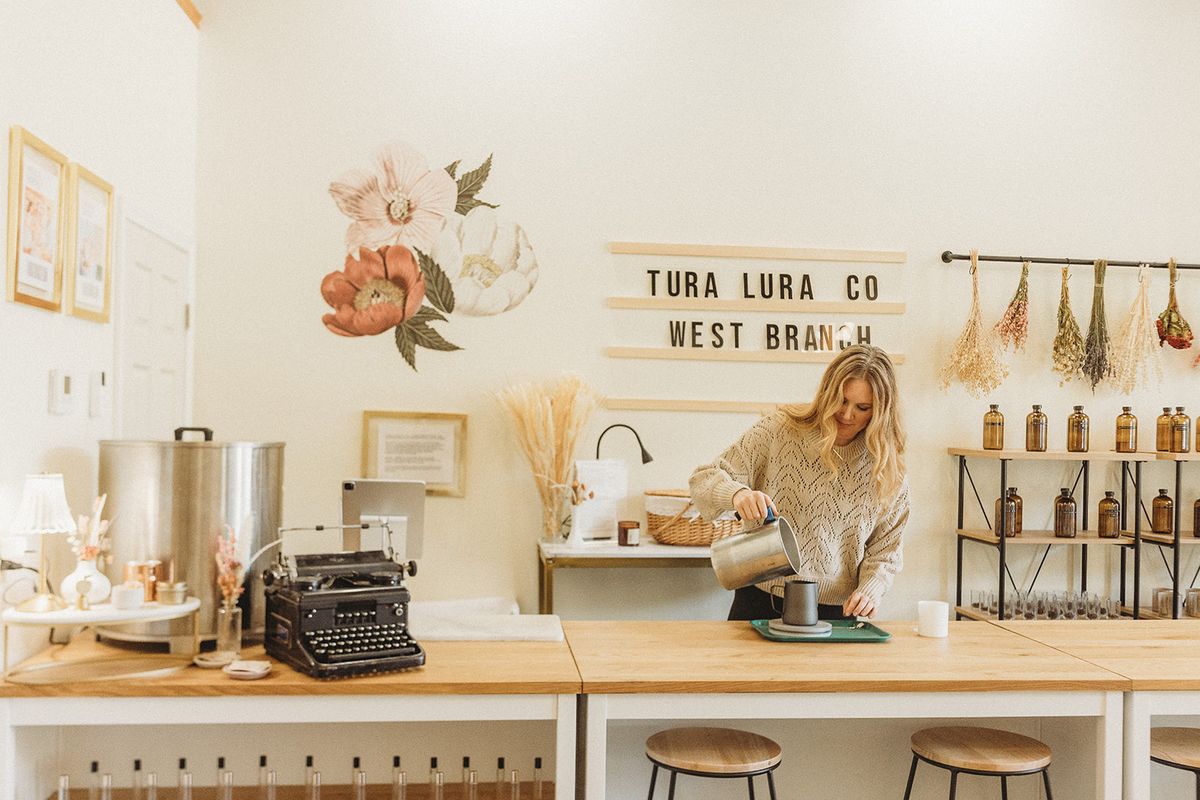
208	434
773	596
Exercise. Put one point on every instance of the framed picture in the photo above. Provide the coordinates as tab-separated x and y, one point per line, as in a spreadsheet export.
88	263
37	177
429	447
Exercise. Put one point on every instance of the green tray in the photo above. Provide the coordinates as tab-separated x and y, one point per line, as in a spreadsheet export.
844	630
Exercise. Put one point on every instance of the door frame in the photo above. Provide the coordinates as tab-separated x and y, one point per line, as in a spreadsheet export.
130	213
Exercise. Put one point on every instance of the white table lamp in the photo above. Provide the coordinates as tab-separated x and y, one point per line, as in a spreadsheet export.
43	510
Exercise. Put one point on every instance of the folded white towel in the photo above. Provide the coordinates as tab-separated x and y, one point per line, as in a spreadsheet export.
486	627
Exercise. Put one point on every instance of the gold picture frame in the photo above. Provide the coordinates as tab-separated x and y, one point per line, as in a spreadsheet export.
37	177
88	264
410	445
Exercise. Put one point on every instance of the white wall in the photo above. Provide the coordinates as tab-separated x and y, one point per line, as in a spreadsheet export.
112	86
1038	128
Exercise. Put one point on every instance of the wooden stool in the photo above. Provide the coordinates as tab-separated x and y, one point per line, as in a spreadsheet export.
713	753
1177	747
979	751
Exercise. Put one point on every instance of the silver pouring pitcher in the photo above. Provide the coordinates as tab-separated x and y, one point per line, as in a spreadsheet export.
766	552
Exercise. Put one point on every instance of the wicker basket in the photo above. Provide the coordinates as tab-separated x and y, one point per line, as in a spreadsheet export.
685	528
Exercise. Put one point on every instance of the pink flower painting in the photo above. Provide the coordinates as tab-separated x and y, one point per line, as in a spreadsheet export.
375	293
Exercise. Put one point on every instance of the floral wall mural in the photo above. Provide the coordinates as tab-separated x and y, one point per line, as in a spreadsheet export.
422	245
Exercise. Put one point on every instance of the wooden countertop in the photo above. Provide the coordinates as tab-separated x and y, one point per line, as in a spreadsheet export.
701	657
1155	655
452	668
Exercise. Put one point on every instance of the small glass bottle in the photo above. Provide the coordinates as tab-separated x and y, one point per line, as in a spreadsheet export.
64	787
1126	431
439	786
500	776
227	785
1007	519
472	785
399	781
272	785
309	772
138	783
1065	515
433	771
466	771
537	778
1020	504
1162	513
355	768
185	786
94	781
1037	427
314	792
1109	517
1181	431
993	429
1077	431
182	772
360	785
514	785
106	786
151	786
1162	431
1196	518
262	772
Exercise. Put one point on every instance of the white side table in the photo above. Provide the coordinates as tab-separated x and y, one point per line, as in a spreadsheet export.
599	555
136	664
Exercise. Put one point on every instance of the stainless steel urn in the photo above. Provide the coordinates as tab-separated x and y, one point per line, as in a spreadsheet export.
168	501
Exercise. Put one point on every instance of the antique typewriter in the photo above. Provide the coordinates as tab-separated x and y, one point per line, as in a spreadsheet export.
338	615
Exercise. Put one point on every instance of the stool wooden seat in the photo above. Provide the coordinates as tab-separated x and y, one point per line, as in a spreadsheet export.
979	751
1177	747
713	753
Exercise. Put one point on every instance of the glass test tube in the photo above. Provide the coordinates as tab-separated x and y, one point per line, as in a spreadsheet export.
399	781
106	786
185	785
262	772
439	786
64	787
182	772
138	787
94	781
315	790
272	784
227	785
152	786
308	774
514	785
466	770
360	785
500	776
472	785
537	778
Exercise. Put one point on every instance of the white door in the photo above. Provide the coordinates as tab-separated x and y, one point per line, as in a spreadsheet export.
153	380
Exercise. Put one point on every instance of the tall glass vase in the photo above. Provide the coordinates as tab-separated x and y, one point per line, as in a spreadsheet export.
229	632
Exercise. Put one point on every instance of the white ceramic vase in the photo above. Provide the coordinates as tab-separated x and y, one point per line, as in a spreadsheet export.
98	584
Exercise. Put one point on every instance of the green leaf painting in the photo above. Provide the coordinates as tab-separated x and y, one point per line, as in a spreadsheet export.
469	185
437	286
429	338
407	345
453	168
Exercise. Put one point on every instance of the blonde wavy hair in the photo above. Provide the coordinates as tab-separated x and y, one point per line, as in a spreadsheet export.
884	434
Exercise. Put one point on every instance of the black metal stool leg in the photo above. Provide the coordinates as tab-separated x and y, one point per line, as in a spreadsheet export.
1003	787
912	773
653	778
771	783
671	788
750	781
1046	780
953	784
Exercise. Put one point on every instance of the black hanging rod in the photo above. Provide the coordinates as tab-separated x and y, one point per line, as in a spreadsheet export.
948	256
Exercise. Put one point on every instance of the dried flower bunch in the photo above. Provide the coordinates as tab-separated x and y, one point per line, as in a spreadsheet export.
230	570
1013	327
91	538
1096	364
975	359
1067	353
549	418
1135	358
1172	327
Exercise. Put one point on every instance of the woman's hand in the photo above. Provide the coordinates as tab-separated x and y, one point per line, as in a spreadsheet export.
859	605
752	505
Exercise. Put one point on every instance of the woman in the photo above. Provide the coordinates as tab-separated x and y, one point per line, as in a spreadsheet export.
835	470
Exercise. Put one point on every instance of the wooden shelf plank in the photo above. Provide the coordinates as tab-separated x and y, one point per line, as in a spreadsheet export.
1049	455
1044	537
375	791
1178	456
719	406
700	354
1149	537
743	251
774	306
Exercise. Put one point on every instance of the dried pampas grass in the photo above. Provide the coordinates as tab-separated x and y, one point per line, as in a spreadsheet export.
975	360
1136	360
549	418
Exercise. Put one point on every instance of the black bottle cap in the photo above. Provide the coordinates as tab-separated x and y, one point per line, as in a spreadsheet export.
262	761
500	763
95	766
308	761
396	762
183	763
137	765
466	762
537	763
357	761
221	762
433	763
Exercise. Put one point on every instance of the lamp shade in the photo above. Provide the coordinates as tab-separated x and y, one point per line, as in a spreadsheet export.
43	507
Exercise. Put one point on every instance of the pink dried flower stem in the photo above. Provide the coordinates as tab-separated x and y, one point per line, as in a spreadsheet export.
230	570
1013	327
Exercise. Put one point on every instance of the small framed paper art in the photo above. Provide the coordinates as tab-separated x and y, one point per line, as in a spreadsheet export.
88	263
406	445
36	198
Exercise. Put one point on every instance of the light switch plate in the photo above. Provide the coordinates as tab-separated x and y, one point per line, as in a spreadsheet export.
61	392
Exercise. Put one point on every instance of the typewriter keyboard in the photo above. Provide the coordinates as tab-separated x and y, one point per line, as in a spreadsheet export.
356	642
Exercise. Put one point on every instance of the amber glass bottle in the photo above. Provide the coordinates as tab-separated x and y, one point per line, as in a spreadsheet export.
1126	431
1181	431
1020	504
1065	514
1077	431
1162	432
1162	513
993	429
1110	517
1009	506
1036	427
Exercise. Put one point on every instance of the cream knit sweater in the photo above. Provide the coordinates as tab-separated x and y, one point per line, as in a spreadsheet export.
846	540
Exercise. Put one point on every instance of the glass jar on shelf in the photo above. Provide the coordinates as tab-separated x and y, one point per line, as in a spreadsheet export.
993	429
1162	513
1109	526
1036	429
1077	431
1006	515
1126	431
1065	515
1162	431
1181	431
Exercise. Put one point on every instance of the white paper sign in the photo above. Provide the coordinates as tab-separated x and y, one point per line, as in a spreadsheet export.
608	481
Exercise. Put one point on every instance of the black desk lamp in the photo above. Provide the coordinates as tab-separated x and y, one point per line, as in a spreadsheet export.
646	457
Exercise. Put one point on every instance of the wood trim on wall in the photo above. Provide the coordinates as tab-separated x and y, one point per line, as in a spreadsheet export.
771	356
192	12
717	406
776	306
742	251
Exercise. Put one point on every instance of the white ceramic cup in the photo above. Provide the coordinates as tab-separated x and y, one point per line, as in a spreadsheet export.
933	618
127	596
